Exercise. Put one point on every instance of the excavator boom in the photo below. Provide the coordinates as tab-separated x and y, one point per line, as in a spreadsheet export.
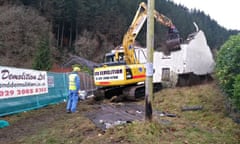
124	73
135	27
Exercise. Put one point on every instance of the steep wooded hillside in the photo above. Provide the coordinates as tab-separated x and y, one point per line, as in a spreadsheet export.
86	28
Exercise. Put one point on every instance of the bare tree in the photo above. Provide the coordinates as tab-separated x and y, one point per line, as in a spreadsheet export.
92	46
20	31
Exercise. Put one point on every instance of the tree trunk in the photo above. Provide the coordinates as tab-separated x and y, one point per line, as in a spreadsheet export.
70	37
50	34
76	31
58	35
62	35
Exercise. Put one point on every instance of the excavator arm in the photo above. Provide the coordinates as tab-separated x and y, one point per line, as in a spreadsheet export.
124	75
135	27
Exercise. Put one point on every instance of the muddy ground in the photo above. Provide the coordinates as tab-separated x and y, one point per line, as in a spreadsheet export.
103	115
28	123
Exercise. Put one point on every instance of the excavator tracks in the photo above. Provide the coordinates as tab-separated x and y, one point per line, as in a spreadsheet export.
133	92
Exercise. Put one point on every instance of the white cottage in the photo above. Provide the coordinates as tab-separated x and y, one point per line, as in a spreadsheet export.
194	58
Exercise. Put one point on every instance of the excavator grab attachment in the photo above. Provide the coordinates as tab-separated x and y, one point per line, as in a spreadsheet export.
173	39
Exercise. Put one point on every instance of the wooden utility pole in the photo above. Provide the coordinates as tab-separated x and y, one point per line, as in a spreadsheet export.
149	65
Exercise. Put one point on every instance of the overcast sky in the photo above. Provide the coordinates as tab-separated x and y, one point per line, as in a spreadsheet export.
225	12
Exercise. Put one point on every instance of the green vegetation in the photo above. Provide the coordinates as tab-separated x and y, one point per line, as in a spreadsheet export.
228	68
86	70
42	59
236	91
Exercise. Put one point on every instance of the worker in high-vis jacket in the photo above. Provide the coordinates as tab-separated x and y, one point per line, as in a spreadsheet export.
74	87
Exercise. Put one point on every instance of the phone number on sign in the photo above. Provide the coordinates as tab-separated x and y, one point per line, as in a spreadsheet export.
4	93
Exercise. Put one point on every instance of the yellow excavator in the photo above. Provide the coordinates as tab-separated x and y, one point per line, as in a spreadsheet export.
121	73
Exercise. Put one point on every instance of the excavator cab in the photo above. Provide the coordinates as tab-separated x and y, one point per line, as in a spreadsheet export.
110	60
173	39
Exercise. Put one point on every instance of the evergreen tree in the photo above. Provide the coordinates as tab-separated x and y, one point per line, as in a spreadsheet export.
42	59
236	92
228	68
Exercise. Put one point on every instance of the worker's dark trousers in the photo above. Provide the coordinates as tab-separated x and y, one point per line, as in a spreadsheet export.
72	101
